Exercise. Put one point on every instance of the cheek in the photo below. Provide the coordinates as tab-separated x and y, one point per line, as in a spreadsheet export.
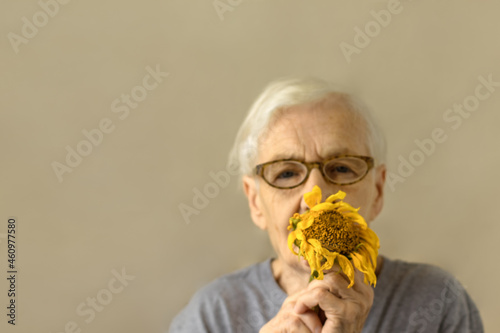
360	196
279	207
278	218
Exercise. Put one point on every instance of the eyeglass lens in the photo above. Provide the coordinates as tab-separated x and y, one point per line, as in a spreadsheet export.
291	173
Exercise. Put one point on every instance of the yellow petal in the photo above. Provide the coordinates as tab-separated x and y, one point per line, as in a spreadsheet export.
291	240
315	244
370	253
372	238
358	262
370	248
311	257
324	206
346	208
361	264
314	197
347	268
364	261
307	221
337	196
303	250
330	259
317	264
300	235
357	218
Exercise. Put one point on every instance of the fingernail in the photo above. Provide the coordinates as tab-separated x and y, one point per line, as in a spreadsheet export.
317	330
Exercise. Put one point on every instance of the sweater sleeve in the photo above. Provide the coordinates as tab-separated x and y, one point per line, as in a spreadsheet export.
462	315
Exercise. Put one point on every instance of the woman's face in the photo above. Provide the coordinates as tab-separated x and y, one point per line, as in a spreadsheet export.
310	134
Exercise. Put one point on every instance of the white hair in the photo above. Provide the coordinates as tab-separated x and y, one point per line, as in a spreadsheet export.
284	93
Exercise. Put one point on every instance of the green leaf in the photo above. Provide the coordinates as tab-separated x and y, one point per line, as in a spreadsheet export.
314	275
294	222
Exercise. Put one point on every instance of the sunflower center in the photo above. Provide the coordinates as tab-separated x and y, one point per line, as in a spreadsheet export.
335	232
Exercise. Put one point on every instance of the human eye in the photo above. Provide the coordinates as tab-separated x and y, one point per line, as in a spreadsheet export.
285	173
345	170
338	167
342	169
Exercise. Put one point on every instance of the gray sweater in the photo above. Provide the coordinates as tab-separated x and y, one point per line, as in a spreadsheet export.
408	298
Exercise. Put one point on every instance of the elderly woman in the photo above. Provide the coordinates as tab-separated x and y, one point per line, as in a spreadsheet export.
298	134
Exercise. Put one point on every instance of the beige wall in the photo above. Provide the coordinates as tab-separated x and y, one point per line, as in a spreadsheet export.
119	208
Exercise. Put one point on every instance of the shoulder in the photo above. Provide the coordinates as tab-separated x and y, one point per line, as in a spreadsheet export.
416	276
420	282
425	297
223	304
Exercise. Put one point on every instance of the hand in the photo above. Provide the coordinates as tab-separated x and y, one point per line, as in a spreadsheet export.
340	309
345	310
288	320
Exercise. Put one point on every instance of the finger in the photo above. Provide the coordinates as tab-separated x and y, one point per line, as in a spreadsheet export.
292	322
311	320
308	317
286	323
335	283
318	297
337	286
336	270
359	283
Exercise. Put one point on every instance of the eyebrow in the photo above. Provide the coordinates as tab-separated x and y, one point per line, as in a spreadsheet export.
342	151
285	156
329	154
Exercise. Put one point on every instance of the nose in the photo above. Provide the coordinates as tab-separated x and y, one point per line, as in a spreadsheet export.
315	178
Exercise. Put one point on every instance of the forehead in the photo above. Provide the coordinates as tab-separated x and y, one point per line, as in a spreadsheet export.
313	133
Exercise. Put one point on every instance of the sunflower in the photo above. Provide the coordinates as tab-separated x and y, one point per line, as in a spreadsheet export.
333	232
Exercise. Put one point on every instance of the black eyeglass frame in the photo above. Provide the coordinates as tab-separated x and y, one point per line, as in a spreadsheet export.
259	169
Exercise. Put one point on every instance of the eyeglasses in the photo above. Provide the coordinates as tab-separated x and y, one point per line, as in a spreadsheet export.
290	173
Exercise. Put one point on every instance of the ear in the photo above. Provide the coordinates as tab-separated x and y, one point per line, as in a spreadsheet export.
378	202
252	192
